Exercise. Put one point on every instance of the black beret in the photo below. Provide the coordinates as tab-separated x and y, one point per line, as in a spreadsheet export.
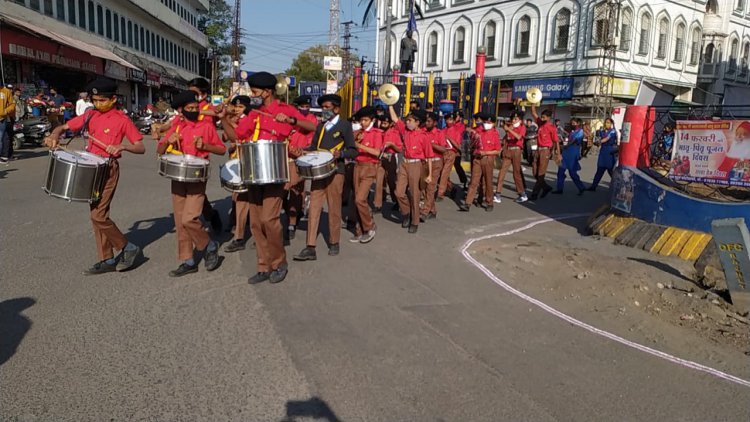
303	100
102	86
332	98
485	116
431	115
368	111
184	98
420	115
201	83
241	100
450	116
262	80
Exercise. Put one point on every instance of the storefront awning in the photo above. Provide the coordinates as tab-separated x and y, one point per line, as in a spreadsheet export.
71	42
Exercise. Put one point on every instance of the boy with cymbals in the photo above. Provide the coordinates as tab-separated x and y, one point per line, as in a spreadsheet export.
486	146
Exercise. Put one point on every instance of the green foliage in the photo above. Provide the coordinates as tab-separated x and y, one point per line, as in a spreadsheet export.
308	65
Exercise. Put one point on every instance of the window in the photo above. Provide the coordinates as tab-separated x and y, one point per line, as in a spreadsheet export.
82	13
626	29
123	32
48	7
99	20
163	49
116	22
601	25
130	34
153	44
148	42
135	36
108	23
34	4
523	36
644	40
60	12
661	49
72	12
740	6
490	35
432	48
90	13
143	41
733	56
745	57
695	46
709	54
711	7
562	30
459	45
679	43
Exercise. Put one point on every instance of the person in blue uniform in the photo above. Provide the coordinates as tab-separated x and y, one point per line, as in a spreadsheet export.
607	139
571	156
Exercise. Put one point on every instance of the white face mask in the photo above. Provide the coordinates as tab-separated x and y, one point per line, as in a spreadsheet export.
356	126
516	124
487	126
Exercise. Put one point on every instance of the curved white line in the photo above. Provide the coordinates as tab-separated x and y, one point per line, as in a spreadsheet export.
567	318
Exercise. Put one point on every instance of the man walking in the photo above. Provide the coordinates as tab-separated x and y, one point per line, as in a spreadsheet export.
7	110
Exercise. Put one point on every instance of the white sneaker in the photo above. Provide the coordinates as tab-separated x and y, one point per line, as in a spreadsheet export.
497	199
367	237
355	239
522	198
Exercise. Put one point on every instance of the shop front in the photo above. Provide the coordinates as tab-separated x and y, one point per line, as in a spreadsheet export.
556	94
138	89
119	74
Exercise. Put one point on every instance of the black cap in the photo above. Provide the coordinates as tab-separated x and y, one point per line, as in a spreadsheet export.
102	86
303	100
368	111
262	80
485	116
201	83
242	100
420	115
184	98
450	116
332	98
431	115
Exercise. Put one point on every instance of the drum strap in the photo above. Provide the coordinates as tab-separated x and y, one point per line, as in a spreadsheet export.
201	116
256	133
320	139
170	149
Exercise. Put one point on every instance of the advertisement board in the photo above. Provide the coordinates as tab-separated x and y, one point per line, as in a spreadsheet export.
333	63
552	89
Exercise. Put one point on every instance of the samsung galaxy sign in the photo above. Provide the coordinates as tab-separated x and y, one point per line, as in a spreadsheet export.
552	89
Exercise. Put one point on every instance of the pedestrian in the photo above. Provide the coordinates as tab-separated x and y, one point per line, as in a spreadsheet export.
486	146
83	103
512	154
547	146
199	140
299	141
388	168
107	126
436	137
20	104
7	111
56	99
369	143
460	129
335	135
607	140
571	157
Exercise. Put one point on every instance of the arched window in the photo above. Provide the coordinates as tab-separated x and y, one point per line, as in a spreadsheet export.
99	20
108	23
143	41
123	33
60	10
459	45
711	7
48	7
695	46
601	24
523	36
679	43
82	13
562	30
708	56
130	34
92	21
148	42
432	49
153	44
116	29
135	36
740	7
72	12
489	38
626	29
645	34
745	58
733	50
661	49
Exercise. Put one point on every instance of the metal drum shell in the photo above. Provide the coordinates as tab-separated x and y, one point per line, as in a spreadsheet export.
74	181
184	171
229	185
263	162
321	171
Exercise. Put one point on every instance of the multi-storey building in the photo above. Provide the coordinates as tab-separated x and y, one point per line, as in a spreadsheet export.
151	47
557	45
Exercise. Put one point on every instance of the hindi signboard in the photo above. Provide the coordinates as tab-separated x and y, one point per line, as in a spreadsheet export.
332	63
712	151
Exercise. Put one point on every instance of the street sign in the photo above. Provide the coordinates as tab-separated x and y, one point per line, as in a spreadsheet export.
333	63
313	89
292	81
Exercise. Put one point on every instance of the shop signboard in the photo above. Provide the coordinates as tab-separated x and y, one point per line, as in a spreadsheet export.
153	79
115	70
34	49
552	89
136	75
712	151
588	85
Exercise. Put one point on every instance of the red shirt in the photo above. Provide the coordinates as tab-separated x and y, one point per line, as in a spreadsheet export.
109	128
546	136
436	137
301	139
416	143
188	132
489	140
455	133
372	138
392	135
511	141
268	127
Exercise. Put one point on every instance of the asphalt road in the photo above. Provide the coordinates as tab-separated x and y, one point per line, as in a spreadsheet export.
402	329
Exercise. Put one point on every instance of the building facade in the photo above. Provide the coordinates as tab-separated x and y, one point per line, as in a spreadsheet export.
151	47
691	48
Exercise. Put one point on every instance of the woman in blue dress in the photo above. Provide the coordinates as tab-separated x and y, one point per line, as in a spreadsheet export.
571	155
607	139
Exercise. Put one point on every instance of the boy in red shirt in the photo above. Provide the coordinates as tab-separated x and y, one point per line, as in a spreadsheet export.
388	165
453	137
547	146
486	145
299	140
196	139
436	138
369	143
106	127
512	155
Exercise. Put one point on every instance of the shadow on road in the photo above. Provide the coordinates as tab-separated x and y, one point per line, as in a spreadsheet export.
4	172
315	408
146	232
662	267
13	325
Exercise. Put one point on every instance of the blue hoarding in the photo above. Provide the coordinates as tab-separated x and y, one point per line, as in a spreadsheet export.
313	89
552	89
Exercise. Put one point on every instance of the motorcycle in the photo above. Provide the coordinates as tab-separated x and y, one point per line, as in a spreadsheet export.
32	130
529	144
144	121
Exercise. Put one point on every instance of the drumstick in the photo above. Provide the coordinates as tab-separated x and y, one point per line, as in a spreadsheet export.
101	144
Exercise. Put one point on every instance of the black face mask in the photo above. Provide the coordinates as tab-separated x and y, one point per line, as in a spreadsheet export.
191	115
256	102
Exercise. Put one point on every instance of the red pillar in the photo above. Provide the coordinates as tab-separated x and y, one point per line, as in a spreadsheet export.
480	62
395	75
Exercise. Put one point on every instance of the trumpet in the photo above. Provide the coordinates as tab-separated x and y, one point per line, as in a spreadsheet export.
388	94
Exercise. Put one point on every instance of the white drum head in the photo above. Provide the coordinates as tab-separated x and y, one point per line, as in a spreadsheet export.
195	160
315	158
81	157
231	171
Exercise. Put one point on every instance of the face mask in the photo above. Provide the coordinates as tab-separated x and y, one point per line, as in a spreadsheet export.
256	101
411	125
516	124
487	126
356	126
327	114
191	115
304	112
104	107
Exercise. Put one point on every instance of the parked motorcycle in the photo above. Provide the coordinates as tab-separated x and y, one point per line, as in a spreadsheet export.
144	121
32	131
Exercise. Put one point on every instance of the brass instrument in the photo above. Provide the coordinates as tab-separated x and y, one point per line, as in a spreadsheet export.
388	94
282	85
534	96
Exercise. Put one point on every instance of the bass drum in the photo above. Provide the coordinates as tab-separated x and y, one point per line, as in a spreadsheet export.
263	162
229	174
77	176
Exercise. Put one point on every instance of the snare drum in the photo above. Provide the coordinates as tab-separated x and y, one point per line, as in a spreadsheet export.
75	175
183	168
229	174
316	165
263	162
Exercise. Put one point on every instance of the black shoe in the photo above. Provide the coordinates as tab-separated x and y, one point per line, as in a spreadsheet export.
405	221
183	269
100	268
216	222
128	259
234	246
430	216
333	250
278	275
591	189
422	218
489	208
546	191
212	259
413	229
463	206
555	192
307	254
292	232
377	209
259	278
394	207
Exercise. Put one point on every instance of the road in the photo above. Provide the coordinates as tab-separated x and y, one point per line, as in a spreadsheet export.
399	329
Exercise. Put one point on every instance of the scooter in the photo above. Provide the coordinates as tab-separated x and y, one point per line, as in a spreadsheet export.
33	130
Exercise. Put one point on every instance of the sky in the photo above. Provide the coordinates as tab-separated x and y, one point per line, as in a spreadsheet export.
278	30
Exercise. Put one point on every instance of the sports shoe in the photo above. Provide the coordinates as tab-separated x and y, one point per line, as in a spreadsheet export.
546	191
463	206
100	268
307	254
497	198
405	221
489	208
128	259
234	246
355	239
522	198
367	237
183	269
278	275
413	229
292	232
333	250
211	259
259	278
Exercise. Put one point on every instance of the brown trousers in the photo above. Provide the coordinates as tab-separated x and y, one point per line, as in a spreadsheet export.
481	170
432	188
328	190
364	177
296	187
241	214
449	157
265	225
539	168
108	236
511	157
409	175
187	205
386	175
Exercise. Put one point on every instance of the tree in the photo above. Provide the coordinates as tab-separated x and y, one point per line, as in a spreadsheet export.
308	65
217	25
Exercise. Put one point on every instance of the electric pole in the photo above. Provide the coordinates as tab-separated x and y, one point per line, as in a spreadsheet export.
236	41
334	22
347	49
610	13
